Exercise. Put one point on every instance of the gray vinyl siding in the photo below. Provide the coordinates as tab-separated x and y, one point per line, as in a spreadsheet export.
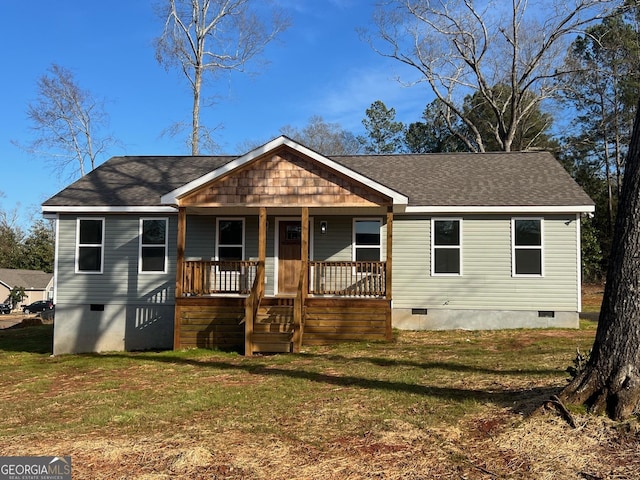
200	237
486	282
120	281
269	264
337	244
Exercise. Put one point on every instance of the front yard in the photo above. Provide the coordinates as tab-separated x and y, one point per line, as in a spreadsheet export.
430	405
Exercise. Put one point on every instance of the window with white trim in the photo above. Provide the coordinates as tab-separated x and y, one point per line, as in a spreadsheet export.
366	240
89	245
527	253
446	246
230	235
153	245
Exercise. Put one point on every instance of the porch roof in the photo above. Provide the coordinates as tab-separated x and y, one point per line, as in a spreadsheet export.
440	182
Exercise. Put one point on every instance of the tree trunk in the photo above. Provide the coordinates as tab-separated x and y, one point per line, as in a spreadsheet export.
195	113
611	380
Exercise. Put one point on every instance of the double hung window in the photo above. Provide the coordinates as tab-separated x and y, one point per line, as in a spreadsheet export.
366	241
446	246
230	236
89	245
527	251
153	245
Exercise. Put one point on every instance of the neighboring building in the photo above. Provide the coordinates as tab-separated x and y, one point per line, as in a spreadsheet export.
37	285
283	247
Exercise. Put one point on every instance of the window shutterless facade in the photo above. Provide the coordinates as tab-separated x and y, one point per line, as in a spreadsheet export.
446	246
366	240
89	245
153	245
527	257
230	236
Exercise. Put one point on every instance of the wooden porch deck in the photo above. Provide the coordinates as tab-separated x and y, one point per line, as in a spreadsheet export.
220	322
336	302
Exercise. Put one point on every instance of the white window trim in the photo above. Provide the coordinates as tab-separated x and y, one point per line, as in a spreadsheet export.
244	233
78	246
353	236
527	247
451	247
166	246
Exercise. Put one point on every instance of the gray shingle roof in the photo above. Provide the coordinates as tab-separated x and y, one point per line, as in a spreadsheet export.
453	179
29	279
474	179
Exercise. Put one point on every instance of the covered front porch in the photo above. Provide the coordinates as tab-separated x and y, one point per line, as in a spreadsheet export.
282	299
301	253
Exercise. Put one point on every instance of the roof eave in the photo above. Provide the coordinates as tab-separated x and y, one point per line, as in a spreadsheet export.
511	209
57	209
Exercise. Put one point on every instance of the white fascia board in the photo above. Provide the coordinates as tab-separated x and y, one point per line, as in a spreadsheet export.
50	209
171	198
502	209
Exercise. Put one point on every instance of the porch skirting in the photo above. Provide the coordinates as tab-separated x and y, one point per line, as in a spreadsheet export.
218	322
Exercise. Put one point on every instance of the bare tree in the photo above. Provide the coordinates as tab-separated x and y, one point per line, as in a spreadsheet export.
325	138
461	49
213	36
611	380
67	122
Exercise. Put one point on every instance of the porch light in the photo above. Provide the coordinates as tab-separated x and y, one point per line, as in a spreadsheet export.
323	227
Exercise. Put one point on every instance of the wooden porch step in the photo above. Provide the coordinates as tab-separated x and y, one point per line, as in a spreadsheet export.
272	342
272	347
275	314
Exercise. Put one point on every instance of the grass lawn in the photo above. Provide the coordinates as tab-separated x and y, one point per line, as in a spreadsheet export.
429	405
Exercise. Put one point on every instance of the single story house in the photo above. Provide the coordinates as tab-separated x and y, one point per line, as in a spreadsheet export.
37	285
283	247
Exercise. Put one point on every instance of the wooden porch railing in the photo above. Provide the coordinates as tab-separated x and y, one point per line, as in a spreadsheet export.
251	308
203	277
349	279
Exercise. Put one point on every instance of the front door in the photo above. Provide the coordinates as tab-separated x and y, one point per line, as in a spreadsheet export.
289	256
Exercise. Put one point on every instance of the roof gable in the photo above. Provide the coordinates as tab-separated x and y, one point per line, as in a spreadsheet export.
291	172
283	178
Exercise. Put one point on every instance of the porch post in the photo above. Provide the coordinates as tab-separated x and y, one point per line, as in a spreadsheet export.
389	270
181	240
303	285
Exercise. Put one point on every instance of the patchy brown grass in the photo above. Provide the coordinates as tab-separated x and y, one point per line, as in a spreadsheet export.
431	405
592	297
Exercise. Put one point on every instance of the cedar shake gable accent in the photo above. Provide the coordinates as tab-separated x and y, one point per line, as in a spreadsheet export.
285	144
283	178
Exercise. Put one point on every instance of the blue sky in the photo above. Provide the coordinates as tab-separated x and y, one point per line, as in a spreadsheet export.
319	66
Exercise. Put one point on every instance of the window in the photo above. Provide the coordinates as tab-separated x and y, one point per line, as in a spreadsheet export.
446	251
526	234
90	245
230	240
366	243
153	245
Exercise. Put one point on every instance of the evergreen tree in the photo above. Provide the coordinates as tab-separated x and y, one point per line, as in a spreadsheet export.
384	133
